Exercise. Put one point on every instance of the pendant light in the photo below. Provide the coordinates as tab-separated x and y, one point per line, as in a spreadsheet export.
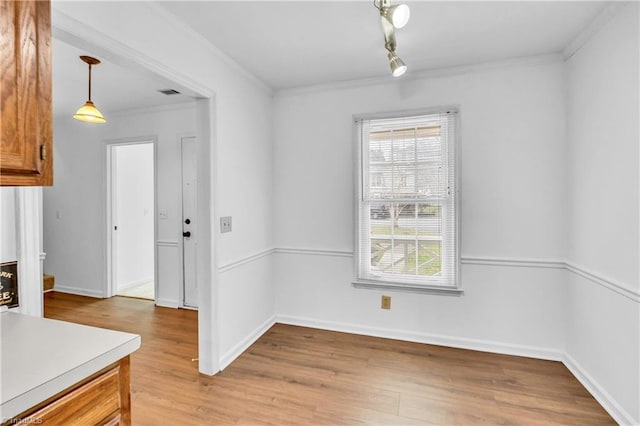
88	112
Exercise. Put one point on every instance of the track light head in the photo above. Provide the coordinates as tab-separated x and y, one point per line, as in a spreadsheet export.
398	15
398	67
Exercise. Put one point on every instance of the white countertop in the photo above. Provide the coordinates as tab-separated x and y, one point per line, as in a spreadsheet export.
40	357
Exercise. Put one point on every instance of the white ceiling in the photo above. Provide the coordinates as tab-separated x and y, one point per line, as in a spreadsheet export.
290	44
114	88
301	43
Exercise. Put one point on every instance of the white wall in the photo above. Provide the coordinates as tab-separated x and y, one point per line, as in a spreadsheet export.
134	199
75	207
603	333
8	249
513	202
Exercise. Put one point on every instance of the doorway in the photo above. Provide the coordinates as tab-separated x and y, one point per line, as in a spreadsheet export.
131	200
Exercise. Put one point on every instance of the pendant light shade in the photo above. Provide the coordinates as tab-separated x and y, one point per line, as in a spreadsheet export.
88	112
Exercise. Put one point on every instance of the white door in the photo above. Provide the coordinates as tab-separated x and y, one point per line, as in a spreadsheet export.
189	225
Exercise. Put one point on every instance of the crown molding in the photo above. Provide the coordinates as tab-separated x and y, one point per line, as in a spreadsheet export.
423	75
594	27
183	27
70	30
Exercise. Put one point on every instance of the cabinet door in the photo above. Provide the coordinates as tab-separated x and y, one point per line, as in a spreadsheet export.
25	93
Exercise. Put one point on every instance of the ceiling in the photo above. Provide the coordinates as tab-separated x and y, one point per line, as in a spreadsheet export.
114	88
291	44
300	43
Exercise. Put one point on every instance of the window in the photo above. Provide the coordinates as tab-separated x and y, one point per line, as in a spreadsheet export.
407	203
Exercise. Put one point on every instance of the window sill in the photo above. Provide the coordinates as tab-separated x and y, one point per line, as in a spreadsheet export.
410	288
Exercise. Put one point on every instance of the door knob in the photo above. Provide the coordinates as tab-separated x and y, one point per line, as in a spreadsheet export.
187	221
186	234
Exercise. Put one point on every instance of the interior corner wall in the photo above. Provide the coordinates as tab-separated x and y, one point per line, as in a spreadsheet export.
603	327
513	202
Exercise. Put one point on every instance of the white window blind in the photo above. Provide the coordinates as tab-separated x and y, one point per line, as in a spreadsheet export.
407	197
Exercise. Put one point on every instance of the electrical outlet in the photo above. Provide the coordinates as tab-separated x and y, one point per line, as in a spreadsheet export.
386	302
225	224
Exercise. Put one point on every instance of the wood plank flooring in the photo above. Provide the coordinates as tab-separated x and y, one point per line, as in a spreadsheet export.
302	376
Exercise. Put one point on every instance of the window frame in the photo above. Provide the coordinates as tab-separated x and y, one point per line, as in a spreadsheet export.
455	289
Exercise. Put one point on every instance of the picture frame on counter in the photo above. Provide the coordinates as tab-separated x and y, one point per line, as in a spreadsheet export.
9	285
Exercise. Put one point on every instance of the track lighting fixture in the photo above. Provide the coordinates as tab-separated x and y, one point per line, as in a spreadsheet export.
88	112
392	17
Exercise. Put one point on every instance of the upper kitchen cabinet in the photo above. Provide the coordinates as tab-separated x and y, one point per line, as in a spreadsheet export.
26	154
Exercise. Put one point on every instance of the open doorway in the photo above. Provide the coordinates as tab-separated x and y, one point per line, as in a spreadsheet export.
84	198
131	171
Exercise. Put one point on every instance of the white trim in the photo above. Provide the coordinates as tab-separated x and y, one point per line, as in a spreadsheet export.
167	243
611	10
502	262
167	303
43	256
229	356
524	263
410	288
79	291
609	403
252	258
431	339
134	283
28	216
314	252
183	27
604	282
422	75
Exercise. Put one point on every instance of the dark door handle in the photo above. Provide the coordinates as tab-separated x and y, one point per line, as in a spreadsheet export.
186	234
187	221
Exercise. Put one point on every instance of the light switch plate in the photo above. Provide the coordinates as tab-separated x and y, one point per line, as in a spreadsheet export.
163	214
225	224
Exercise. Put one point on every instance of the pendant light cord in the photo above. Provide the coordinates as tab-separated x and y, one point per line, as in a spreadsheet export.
89	81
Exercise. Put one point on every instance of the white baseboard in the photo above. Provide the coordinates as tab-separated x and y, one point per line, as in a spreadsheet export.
134	283
233	353
432	339
167	303
619	414
78	291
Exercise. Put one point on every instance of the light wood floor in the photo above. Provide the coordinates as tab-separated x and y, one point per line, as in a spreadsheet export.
303	376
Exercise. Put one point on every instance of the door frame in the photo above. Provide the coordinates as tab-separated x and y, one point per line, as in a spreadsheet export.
112	264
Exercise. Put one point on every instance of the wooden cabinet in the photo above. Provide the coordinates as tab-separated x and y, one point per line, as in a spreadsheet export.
26	150
102	399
